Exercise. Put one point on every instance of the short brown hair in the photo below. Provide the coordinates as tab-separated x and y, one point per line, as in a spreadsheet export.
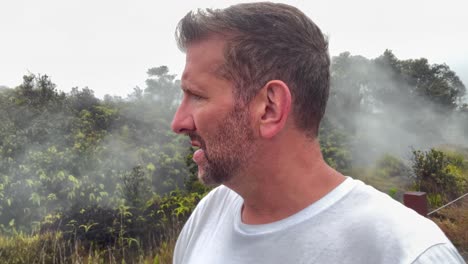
268	41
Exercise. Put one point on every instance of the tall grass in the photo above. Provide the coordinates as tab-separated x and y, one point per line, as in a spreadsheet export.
38	248
51	247
453	220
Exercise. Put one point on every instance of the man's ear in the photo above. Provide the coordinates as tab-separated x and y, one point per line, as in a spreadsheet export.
273	106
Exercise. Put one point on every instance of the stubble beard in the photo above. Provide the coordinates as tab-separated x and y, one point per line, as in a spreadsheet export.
230	149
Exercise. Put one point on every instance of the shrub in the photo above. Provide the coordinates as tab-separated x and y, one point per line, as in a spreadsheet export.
125	233
438	173
392	166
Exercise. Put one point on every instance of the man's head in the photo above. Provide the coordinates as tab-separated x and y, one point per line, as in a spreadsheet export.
246	67
210	116
264	42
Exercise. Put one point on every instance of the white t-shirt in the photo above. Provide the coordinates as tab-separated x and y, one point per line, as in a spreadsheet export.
354	223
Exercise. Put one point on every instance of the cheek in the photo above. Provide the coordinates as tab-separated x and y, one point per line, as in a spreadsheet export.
209	119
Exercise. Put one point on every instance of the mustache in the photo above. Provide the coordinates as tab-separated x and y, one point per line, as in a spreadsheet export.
195	137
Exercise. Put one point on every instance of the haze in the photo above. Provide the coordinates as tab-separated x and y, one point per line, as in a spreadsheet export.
108	45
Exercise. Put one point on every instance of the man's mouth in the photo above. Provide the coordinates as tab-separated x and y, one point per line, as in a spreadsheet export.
196	141
195	144
199	146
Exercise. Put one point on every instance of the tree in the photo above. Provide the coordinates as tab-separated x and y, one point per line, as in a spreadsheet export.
136	187
349	80
83	99
435	82
163	89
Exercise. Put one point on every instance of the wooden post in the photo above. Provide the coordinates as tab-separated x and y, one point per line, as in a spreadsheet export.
416	201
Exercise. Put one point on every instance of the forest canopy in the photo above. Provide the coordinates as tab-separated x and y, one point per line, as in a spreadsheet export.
77	163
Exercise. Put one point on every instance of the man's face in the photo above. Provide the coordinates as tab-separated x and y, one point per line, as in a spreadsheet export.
212	119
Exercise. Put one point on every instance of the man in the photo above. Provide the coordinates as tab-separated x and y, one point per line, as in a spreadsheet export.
255	88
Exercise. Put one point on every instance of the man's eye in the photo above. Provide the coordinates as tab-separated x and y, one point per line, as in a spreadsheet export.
196	96
193	96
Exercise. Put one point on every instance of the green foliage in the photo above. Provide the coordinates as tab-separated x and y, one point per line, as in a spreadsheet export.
136	187
61	150
392	166
393	192
125	233
439	174
435	82
192	184
435	200
21	248
369	87
107	181
394	186
335	147
165	252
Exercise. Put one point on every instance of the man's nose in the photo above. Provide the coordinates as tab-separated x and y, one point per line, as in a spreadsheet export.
183	121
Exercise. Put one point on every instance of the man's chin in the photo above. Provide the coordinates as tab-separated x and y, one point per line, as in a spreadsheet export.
207	179
203	177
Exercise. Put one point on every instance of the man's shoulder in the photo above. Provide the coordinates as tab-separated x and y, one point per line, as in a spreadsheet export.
217	206
378	218
217	199
220	194
372	221
379	209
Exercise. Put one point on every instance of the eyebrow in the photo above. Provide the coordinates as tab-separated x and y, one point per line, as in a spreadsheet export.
183	82
188	84
190	87
219	71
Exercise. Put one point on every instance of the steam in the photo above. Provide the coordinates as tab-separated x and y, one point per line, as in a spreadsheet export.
378	111
383	115
48	166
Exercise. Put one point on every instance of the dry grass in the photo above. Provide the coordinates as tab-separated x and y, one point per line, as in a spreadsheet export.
22	248
51	248
453	220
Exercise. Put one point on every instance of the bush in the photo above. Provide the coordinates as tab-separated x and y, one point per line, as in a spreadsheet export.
335	148
438	173
392	166
125	233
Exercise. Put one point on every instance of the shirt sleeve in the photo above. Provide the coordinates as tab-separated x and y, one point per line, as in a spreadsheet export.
440	253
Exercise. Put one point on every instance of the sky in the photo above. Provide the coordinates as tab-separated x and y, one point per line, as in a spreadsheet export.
108	45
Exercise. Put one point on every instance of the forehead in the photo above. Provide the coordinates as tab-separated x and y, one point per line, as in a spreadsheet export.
204	57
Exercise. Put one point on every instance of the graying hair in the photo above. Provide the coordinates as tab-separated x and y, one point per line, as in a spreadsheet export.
268	41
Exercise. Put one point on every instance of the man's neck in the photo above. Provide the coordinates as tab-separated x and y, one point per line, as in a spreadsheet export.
285	180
